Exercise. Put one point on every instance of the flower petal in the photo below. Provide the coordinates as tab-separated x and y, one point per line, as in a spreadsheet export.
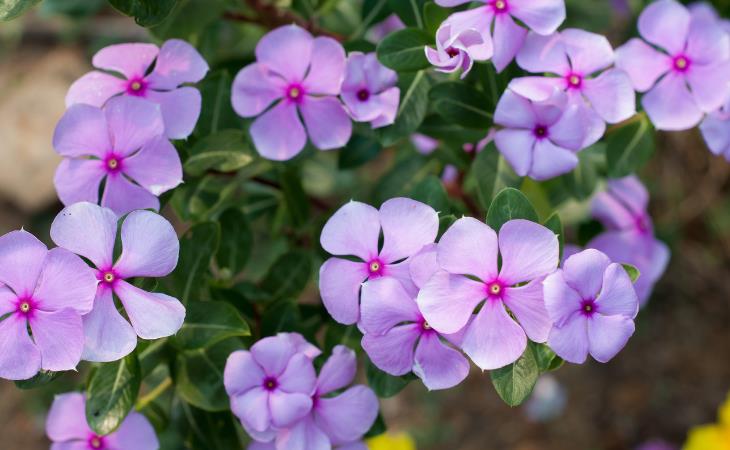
273	143
254	89
241	373
707	42
338	371
537	89
543	54
423	265
122	196
529	250
135	432
20	359
709	84
178	62
493	338
642	63
469	247
584	272
304	435
392	352
447	301
273	354
22	257
665	23
542	16
617	295
327	67
611	95
439	366
87	230
152	315
607	335
353	230
180	110
132	122
253	409
287	50
328	124
508	39
299	375
7	300
59	336
107	335
131	60
670	105
94	88
389	102
82	131
339	286
156	167
79	180
66	419
588	52
549	160
517	147
716	132
149	246
527	303
408	225
348	416
288	408
385	304
514	111
65	282
570	341
561	300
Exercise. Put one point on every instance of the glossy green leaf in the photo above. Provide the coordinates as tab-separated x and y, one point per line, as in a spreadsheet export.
207	323
629	147
383	384
546	359
216	112
145	12
188	19
111	393
514	383
403	51
296	202
10	9
484	170
42	378
510	204
289	275
197	248
433	16
358	151
225	151
633	272
461	103
431	191
554	224
236	242
412	110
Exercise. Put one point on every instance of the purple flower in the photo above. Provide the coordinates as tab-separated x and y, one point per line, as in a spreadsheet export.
716	131
354	230
687	75
379	31
458	50
369	90
173	65
579	64
495	22
469	277
424	145
592	304
149	249
301	75
629	238
66	427
539	139
48	291
124	146
271	386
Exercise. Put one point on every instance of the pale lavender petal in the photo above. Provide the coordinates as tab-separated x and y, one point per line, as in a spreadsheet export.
22	257
253	409
407	225
135	432
87	230
156	167
508	39
469	247
570	341
153	315
353	230
516	146
402	273
94	89
447	301
393	351
665	23
242	373
287	50
514	111
304	435
617	296
385	304
528	306
7	300
132	122
439	366
607	335
707	41
65	282
123	196
710	85
256	445
66	419
494	339
339	286
338	371
78	180
589	120
107	335
588	52
149	246
178	62
20	359
131	60
448	3
287	408
299	375
549	160
671	106
82	131
254	89
180	110
573	128
59	336
584	272
543	54
542	16
327	122
348	416
561	300
716	132
611	95
389	101
630	193
327	67
538	89
278	134
273	354
363	110
642	63
528	249
423	265
478	19
70	445
378	77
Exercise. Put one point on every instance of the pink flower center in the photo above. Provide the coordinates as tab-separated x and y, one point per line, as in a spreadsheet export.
107	277
376	268
642	224
363	95
270	383
495	289
137	87
574	80
96	442
500	6
26	306
540	131
295	93
681	63
452	52
588	307
425	327
113	163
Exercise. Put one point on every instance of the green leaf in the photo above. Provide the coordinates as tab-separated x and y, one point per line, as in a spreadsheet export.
145	12
403	51
431	192
484	170
236	242
510	204
383	384
289	275
282	315
225	151
358	151
188	19
436	127
433	16
554	224
296	202
111	393
42	378
412	110
629	147
460	103
216	112
10	9
582	181
633	272
206	430
207	323
409	11
199	375
546	359
197	248
514	383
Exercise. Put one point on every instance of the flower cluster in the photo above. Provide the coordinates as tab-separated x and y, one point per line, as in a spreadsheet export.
283	404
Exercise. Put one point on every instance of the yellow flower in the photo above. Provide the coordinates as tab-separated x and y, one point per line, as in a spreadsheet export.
712	437
386	441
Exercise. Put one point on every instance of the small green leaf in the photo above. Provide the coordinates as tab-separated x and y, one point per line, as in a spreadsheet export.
431	192
145	12
289	275
225	151
10	9
111	393
358	151
383	384
236	242
197	248
403	50
188	19
546	359
484	170
633	272
207	323
510	204
42	378
629	147
460	103
412	110
514	383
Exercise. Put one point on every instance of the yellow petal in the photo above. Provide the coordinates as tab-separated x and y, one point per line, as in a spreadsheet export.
401	441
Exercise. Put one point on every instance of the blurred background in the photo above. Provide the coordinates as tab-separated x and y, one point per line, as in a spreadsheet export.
673	375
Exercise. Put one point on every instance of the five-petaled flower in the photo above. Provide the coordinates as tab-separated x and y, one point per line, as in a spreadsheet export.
369	90
122	145
301	75
173	65
458	50
592	304
149	249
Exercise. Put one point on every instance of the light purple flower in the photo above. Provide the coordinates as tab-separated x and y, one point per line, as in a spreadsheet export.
354	230
495	22
469	277
715	129
369	90
149	249
686	76
48	291
539	139
67	428
629	238
458	50
173	65
592	304
424	145
272	384
299	74
579	63
122	145
379	31
398	339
